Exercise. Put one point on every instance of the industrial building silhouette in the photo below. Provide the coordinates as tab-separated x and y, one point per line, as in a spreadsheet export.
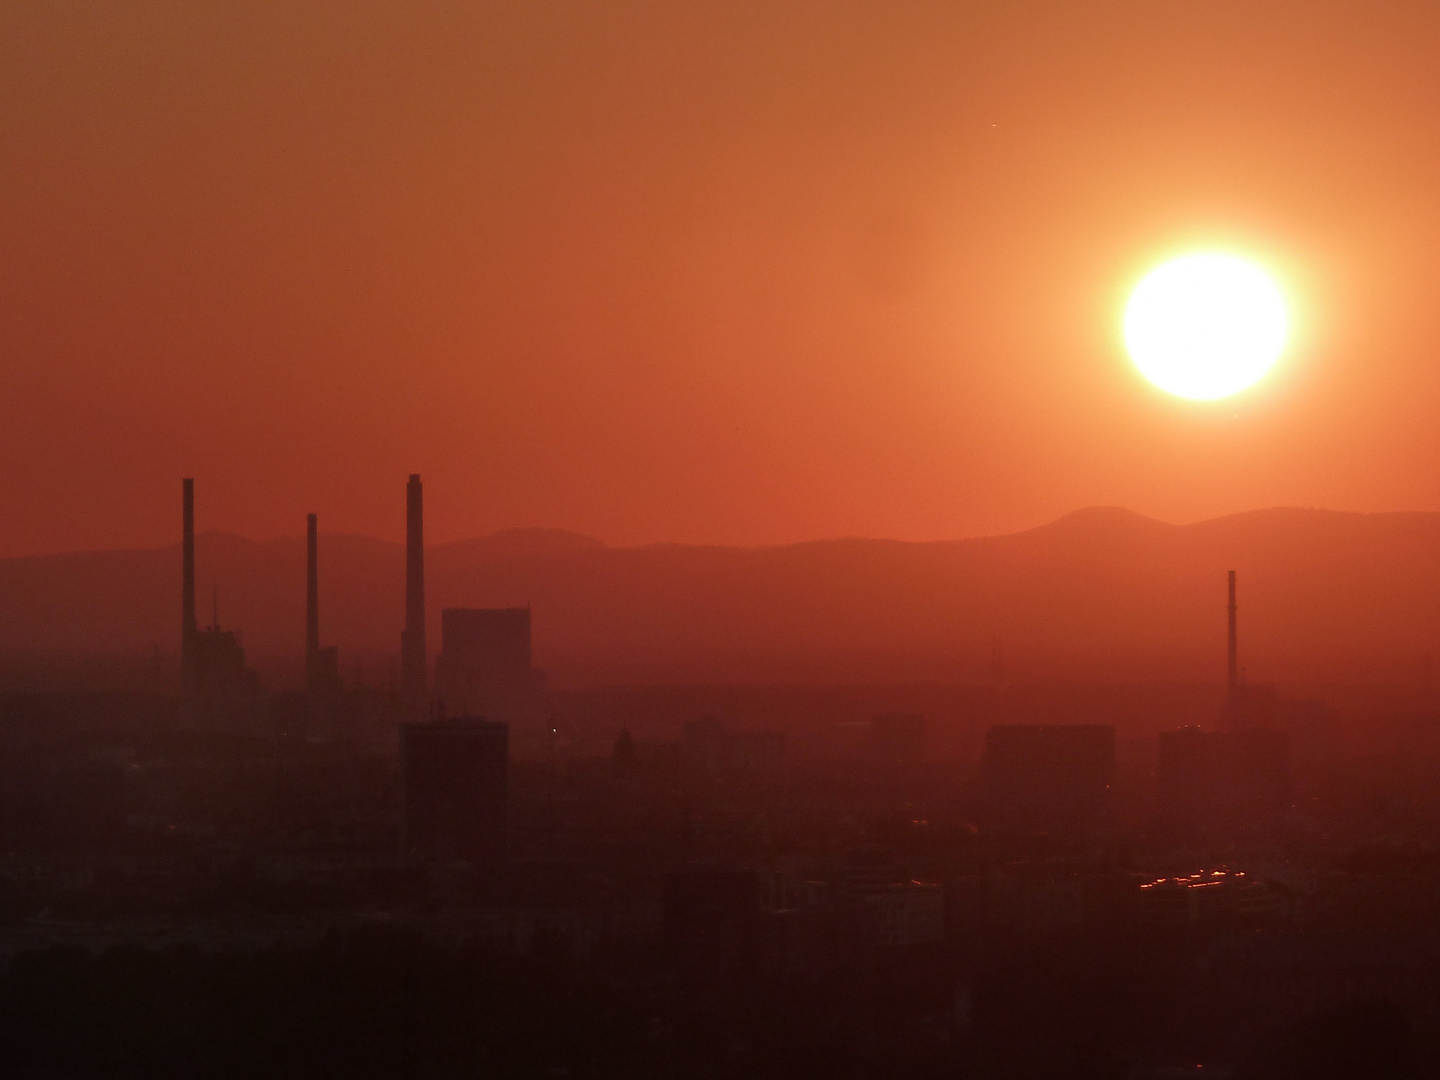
322	666
484	665
218	689
453	769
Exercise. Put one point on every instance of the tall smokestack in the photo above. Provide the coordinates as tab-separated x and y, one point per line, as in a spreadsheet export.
412	641
312	597
188	627
1234	680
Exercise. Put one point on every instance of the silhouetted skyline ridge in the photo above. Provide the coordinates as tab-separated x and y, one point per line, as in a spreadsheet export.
1102	592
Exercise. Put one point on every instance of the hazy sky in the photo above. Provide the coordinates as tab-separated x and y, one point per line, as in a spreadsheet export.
700	271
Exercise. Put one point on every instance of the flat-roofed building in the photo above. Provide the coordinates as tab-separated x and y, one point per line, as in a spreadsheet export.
484	664
1048	775
454	787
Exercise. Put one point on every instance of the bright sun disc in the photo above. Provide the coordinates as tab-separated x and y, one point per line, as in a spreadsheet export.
1205	326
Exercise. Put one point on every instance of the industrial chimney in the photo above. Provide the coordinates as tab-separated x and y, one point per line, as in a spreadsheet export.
1234	672
412	640
312	600
188	626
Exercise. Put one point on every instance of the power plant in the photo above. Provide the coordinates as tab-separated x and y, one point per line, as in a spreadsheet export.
455	739
453	771
218	690
1233	779
1181	830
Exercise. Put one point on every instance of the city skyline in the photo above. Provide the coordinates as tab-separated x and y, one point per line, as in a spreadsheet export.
776	540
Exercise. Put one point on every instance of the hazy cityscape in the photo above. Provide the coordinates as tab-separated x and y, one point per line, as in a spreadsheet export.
482	872
646	540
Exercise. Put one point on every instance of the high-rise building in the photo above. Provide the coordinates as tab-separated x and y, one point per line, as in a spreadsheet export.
454	780
1048	775
1225	780
484	663
711	748
412	639
220	671
897	739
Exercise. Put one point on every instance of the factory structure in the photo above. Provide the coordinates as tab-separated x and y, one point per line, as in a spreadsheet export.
454	766
218	690
455	731
484	664
1233	778
454	737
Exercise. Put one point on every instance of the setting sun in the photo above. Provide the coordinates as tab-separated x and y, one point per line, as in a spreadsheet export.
1205	326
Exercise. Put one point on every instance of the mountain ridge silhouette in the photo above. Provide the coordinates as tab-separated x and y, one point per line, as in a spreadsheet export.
1102	592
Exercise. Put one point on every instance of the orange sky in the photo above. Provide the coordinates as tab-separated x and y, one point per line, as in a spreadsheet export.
705	272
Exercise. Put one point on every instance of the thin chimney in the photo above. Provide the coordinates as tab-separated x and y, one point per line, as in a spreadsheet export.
312	595
1234	673
188	627
412	641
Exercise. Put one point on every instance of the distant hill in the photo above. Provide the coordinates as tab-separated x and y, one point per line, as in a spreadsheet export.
1102	593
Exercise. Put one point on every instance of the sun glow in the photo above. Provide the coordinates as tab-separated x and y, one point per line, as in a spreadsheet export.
1205	326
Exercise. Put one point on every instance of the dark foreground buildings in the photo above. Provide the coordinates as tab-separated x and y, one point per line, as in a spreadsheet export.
832	895
454	787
